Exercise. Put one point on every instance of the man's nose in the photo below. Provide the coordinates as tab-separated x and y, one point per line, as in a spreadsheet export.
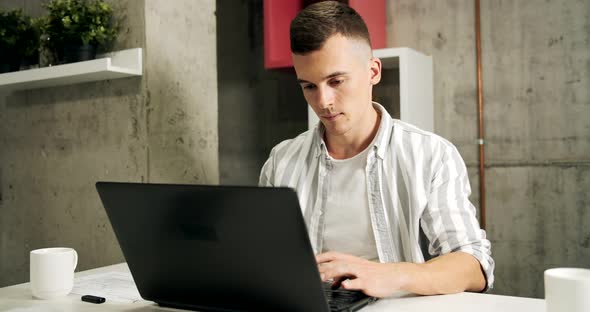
325	97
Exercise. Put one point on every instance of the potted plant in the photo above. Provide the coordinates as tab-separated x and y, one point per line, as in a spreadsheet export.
75	29
19	40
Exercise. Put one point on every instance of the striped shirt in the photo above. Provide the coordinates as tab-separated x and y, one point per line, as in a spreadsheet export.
415	179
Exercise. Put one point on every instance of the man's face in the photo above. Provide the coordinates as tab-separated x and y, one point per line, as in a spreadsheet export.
337	83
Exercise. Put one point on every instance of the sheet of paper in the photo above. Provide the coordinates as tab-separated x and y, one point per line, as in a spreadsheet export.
31	309
114	286
36	308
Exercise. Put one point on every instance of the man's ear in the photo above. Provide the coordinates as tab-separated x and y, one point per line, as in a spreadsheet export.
375	68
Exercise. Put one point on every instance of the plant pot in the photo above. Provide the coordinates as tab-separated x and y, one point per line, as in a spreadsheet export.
28	62
77	53
9	62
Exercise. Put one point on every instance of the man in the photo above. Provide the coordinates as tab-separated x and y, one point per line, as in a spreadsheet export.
367	183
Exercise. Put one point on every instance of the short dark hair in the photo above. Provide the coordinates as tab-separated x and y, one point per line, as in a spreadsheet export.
316	23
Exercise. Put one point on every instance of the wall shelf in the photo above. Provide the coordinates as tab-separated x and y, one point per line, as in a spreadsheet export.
113	65
413	72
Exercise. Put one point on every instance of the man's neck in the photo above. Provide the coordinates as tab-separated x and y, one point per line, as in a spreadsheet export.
354	141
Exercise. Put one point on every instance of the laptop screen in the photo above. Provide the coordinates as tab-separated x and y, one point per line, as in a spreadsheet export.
220	248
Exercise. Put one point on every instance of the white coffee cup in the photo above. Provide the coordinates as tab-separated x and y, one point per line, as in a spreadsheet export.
567	289
52	272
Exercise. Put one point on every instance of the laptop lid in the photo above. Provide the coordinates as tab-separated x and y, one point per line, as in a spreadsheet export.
215	248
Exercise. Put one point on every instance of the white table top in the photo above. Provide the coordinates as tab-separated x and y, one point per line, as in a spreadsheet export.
18	298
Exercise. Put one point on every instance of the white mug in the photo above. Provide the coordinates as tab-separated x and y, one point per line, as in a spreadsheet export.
567	289
52	272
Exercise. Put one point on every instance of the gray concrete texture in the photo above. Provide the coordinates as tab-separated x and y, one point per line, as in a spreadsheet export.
538	219
57	142
182	91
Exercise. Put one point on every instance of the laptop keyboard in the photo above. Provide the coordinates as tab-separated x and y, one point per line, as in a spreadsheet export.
342	299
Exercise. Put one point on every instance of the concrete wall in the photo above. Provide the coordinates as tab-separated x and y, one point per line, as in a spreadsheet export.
258	108
536	73
181	91
57	142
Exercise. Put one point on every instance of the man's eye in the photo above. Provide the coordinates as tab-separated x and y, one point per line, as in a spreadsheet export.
308	87
336	82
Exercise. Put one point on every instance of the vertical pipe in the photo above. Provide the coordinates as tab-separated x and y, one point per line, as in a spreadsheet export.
480	141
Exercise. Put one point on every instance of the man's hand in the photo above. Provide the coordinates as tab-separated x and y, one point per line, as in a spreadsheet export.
450	273
353	273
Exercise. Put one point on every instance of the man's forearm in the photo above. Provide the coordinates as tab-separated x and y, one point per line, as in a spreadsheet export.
451	273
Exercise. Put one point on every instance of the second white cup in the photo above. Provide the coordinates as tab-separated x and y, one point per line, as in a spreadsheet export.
52	272
567	290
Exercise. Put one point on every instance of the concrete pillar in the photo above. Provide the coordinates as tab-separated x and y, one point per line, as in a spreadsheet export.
181	80
55	143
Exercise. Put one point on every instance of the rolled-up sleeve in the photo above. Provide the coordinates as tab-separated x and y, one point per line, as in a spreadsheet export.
267	171
449	220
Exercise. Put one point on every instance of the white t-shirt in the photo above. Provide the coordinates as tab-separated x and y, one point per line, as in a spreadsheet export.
348	226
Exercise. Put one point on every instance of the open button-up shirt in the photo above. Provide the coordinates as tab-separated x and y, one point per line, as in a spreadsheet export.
414	179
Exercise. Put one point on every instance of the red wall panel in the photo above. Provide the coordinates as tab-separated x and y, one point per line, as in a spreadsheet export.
373	13
278	15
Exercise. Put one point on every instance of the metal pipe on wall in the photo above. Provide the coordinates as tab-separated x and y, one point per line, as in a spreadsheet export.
480	141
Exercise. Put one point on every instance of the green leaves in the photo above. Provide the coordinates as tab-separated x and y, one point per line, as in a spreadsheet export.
79	22
67	22
18	33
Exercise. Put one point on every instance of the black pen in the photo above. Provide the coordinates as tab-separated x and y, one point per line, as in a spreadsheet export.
93	299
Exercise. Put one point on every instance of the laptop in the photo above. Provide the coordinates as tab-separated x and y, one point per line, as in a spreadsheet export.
220	248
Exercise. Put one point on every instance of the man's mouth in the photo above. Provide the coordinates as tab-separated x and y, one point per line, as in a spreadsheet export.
331	116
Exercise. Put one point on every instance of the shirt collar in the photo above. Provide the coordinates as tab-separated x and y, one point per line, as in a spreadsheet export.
380	141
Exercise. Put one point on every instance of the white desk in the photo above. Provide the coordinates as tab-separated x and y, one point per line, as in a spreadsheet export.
18	298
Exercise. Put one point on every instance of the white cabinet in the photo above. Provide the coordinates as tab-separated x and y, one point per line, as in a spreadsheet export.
406	90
